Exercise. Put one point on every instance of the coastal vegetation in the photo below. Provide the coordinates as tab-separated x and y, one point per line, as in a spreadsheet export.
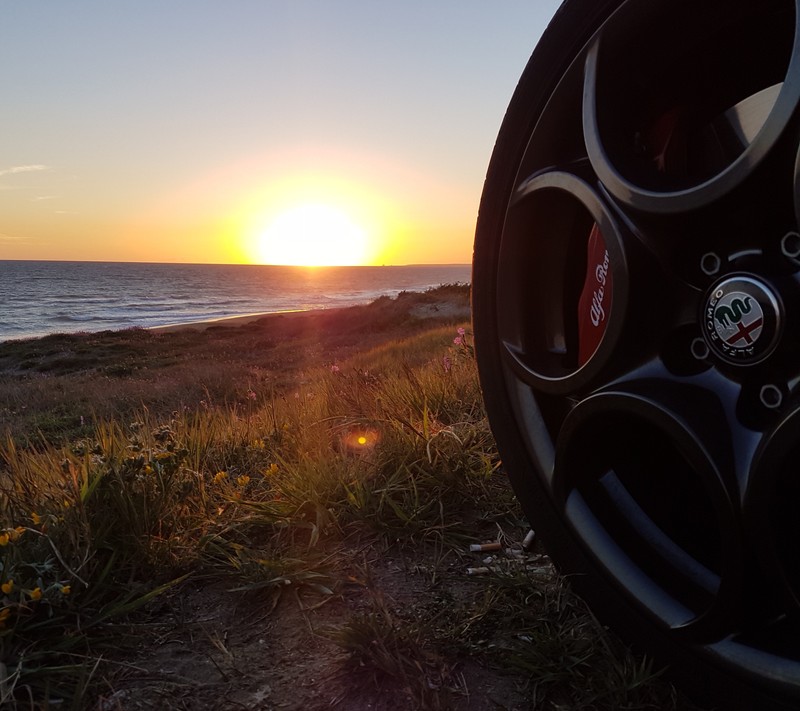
279	514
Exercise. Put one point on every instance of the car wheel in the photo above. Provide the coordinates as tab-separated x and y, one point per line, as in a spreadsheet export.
636	306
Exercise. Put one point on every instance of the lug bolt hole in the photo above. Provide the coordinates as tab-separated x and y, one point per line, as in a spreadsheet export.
699	349
710	263
790	245
771	396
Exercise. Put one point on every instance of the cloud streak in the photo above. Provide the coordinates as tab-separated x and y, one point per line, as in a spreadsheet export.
15	169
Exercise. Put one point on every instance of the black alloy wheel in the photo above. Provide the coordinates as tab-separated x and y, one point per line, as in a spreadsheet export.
636	306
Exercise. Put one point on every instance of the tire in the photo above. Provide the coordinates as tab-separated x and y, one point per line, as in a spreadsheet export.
636	305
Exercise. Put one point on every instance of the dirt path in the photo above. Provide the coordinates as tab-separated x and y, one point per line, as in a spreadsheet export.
205	647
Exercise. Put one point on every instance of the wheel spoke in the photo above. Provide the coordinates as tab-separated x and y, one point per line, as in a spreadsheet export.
770	507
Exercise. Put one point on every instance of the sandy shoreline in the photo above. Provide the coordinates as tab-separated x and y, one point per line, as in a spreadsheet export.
440	309
229	321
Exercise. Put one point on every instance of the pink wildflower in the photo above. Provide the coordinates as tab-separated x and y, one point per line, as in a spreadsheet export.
458	340
447	363
335	368
461	331
251	395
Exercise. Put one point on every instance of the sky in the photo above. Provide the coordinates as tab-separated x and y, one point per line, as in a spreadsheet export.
253	131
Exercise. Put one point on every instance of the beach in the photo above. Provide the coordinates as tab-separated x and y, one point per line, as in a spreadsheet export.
41	298
437	308
59	384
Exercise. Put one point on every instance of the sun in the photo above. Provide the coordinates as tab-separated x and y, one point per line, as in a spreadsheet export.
313	235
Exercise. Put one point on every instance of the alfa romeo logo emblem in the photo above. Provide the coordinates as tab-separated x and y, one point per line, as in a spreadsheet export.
738	319
742	320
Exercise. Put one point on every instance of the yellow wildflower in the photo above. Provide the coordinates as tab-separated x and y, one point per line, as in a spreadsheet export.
66	589
243	480
15	533
4	613
148	469
271	470
220	476
163	455
36	594
7	587
4	539
36	518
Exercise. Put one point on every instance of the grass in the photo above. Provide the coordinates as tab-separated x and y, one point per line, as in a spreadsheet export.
265	470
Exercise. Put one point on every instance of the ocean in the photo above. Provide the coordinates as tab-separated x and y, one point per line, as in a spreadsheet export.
40	298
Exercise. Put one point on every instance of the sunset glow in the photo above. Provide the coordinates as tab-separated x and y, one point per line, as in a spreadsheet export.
314	133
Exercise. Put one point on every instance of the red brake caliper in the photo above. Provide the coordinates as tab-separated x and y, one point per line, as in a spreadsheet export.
594	305
667	142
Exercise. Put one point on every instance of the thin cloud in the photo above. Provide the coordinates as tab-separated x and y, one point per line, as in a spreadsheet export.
12	238
39	198
14	169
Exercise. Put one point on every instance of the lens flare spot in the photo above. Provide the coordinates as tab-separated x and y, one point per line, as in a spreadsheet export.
361	440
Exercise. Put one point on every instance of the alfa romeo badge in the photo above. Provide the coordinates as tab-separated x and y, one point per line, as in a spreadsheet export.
742	320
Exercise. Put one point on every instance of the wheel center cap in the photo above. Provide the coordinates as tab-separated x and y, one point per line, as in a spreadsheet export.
742	320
